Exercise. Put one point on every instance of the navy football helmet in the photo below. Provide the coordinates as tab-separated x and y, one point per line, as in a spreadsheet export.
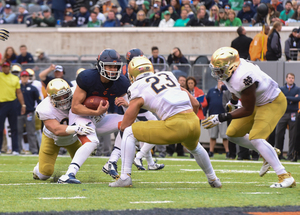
109	57
133	53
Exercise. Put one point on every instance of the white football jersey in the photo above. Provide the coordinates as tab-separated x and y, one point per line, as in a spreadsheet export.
161	93
46	111
247	74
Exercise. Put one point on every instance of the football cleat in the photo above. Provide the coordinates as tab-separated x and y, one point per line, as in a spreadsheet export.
111	169
121	183
285	181
156	166
266	166
68	179
216	183
139	164
35	172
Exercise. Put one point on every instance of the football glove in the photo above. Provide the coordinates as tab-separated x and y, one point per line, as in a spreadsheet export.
231	107
4	34
211	121
79	129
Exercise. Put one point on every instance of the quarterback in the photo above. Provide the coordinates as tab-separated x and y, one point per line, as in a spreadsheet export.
263	104
54	112
105	81
161	94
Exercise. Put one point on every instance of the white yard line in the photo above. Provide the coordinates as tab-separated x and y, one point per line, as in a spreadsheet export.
50	198
151	202
260	193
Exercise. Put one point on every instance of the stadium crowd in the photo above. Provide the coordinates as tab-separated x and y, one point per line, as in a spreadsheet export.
144	13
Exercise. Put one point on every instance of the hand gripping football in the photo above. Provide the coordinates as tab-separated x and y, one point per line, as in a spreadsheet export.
92	102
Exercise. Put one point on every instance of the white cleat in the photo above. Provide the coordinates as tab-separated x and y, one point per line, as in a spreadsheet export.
121	183
110	168
266	166
68	179
285	181
216	183
156	166
139	164
35	172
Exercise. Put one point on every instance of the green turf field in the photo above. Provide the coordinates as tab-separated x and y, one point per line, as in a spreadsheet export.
181	184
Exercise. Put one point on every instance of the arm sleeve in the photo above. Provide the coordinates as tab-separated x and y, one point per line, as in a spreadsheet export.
287	49
274	43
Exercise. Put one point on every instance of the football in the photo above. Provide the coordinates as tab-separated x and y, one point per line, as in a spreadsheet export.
92	102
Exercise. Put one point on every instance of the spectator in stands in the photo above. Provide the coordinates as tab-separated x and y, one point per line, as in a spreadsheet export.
155	9
111	21
155	20
146	6
200	19
94	21
221	18
176	5
277	5
141	20
236	5
242	43
214	106
291	92
116	11
287	13
1	7
227	7
9	55
272	15
173	13
259	45
58	9
274	51
156	58
176	57
100	16
129	17
246	14
292	43
58	73
23	13
134	6
232	20
24	57
31	95
107	6
255	4
43	19
69	8
69	20
189	10
219	4
295	17
167	21
41	57
8	104
82	17
213	13
8	17
182	22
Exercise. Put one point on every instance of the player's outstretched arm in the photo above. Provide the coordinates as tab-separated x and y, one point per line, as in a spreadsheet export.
4	34
55	127
132	112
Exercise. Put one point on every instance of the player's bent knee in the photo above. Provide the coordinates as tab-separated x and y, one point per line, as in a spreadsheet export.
128	131
46	171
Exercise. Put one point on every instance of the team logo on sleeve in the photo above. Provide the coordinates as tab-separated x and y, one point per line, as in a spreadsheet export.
129	94
247	81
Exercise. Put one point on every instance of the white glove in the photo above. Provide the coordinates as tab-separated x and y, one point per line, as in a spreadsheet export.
79	129
231	107
211	121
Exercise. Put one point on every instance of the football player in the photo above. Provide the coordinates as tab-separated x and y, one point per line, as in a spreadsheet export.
104	81
54	112
263	105
160	93
144	115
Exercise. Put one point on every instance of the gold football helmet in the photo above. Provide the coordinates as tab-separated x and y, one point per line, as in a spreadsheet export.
60	94
79	71
139	66
224	62
16	70
31	74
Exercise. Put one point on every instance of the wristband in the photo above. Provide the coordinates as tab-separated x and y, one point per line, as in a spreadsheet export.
24	105
224	117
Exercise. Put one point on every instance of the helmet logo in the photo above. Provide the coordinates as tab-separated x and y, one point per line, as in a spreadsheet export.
127	55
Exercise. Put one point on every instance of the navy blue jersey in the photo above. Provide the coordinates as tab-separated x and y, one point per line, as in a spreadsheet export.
89	80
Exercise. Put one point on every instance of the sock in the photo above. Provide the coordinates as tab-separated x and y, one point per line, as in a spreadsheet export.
203	161
243	141
127	152
115	155
80	156
268	152
146	153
